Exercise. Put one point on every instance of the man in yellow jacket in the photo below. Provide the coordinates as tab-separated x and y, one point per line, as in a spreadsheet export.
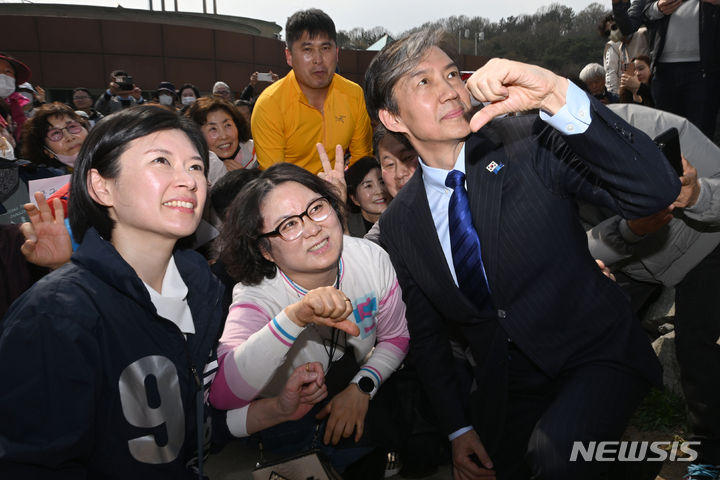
312	104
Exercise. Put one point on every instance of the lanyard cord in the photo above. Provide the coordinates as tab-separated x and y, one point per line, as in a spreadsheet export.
335	334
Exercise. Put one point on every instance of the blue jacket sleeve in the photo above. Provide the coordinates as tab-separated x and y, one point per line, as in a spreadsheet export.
612	164
47	367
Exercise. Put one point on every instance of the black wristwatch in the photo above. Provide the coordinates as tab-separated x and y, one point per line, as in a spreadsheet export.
366	385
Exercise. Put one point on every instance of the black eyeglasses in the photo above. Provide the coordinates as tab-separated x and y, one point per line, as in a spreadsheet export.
292	227
56	134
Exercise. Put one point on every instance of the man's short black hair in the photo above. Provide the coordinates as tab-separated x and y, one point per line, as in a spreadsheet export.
313	21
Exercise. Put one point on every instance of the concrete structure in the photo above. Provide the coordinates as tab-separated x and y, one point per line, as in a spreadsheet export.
68	46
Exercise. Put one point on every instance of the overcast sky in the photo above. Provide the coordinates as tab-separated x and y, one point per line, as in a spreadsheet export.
395	15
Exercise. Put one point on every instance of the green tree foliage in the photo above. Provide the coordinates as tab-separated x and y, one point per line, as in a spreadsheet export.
555	37
359	38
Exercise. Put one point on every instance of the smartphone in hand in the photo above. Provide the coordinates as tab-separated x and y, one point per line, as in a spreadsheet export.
669	143
629	68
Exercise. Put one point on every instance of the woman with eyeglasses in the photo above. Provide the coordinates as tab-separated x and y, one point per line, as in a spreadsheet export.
306	293
52	138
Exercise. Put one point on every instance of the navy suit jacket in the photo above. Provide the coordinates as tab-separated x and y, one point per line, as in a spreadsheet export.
549	296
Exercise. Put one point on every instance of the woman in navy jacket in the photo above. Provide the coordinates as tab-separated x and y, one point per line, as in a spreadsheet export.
106	361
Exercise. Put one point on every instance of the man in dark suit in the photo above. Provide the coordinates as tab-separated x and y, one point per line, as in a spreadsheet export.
557	356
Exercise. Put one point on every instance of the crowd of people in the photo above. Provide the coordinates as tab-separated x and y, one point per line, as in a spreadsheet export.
662	53
385	273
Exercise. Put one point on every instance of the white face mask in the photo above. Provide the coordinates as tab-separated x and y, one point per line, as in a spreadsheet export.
68	160
165	99
27	95
188	100
7	85
616	35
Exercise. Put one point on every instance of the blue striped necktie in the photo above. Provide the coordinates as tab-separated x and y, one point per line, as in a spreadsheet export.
465	243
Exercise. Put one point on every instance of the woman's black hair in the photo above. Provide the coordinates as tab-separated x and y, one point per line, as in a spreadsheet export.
240	242
102	150
225	190
643	58
601	26
354	176
244	103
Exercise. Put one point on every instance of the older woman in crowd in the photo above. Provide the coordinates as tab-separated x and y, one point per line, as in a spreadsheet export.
53	137
226	132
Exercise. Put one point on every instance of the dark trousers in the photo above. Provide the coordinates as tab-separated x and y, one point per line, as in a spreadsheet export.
545	416
697	329
686	90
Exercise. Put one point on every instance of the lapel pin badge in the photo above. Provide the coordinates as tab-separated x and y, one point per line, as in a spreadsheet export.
494	167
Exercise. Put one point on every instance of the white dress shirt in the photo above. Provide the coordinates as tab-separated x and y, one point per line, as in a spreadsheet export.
171	303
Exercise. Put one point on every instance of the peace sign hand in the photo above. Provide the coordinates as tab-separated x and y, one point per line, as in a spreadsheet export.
336	175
